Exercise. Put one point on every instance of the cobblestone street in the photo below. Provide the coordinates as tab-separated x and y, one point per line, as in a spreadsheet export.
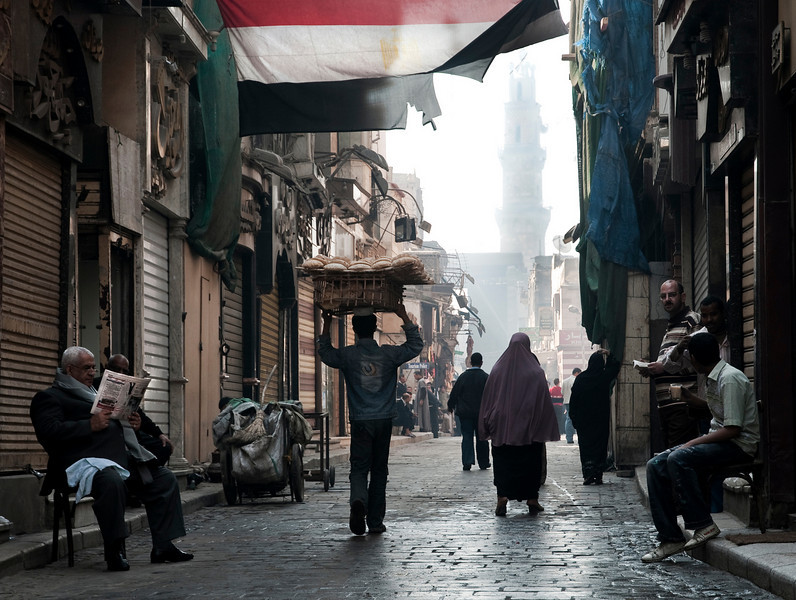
443	541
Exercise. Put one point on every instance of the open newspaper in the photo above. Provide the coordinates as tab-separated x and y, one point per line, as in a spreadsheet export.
121	394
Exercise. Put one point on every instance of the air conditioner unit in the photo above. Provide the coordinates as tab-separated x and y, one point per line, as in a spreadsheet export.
302	154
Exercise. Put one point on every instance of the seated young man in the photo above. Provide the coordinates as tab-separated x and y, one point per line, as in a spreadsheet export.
673	475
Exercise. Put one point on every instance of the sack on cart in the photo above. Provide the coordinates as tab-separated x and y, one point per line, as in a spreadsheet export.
261	461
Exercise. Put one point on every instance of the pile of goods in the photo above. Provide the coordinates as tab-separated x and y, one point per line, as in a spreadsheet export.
342	285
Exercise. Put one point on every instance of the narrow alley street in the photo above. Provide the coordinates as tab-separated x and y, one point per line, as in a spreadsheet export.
443	541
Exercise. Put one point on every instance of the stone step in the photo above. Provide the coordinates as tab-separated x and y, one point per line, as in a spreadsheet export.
738	501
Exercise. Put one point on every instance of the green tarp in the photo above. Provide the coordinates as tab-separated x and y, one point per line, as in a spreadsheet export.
215	151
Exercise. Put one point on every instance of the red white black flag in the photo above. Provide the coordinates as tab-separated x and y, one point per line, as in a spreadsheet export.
353	65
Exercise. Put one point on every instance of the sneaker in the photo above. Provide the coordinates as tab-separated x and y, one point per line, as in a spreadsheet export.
356	520
665	550
701	536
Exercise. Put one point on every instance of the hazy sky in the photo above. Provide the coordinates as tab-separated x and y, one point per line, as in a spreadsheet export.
458	164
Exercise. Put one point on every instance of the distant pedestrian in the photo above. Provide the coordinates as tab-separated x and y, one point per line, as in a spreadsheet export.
433	408
566	390
370	373
517	415
406	418
400	387
590	411
558	404
465	402
421	403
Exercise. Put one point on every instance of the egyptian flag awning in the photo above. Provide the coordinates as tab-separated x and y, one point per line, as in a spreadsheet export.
355	65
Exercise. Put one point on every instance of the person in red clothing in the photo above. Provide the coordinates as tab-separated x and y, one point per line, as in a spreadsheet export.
557	396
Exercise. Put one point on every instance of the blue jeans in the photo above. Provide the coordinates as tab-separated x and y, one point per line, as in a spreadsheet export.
673	481
370	453
470	431
569	428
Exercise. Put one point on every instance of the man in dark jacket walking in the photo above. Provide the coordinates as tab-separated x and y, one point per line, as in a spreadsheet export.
465	400
371	373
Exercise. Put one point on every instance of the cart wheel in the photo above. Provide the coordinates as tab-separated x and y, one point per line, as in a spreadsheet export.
331	476
227	480
326	480
297	473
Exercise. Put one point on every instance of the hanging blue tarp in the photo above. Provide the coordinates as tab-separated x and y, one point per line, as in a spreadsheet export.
617	74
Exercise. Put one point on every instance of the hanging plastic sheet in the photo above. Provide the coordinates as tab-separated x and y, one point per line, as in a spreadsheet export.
617	78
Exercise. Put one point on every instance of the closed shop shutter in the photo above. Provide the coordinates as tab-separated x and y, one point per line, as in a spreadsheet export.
232	318
29	296
156	317
306	318
700	255
748	228
269	344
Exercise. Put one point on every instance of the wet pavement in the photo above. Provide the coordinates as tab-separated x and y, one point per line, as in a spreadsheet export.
443	542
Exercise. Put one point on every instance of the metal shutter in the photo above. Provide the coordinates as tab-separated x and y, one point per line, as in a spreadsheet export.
30	284
306	319
156	317
748	229
700	254
269	344
232	319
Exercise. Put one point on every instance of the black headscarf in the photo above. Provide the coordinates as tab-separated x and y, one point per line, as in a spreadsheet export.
591	378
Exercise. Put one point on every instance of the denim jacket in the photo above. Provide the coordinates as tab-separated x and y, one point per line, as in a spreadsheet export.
370	372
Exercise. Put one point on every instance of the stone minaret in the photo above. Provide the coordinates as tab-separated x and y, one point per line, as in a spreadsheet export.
523	220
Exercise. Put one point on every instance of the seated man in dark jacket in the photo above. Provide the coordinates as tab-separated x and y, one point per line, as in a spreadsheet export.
103	451
465	400
406	418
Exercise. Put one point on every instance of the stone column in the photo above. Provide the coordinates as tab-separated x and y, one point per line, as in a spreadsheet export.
632	393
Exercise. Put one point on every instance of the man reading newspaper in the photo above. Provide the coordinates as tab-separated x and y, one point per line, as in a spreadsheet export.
102	457
119	393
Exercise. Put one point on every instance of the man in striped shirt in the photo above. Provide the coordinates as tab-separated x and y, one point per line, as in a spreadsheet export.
676	424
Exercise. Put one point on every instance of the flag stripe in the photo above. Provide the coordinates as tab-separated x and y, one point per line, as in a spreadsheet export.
260	13
303	54
355	65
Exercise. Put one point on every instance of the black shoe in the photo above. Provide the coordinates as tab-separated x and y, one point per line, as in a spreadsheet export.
172	554
466	468
377	529
485	468
356	520
116	556
117	562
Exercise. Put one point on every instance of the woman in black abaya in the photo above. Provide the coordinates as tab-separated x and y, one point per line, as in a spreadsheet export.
590	412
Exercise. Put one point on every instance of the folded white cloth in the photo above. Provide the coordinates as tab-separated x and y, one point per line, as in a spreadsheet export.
81	474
